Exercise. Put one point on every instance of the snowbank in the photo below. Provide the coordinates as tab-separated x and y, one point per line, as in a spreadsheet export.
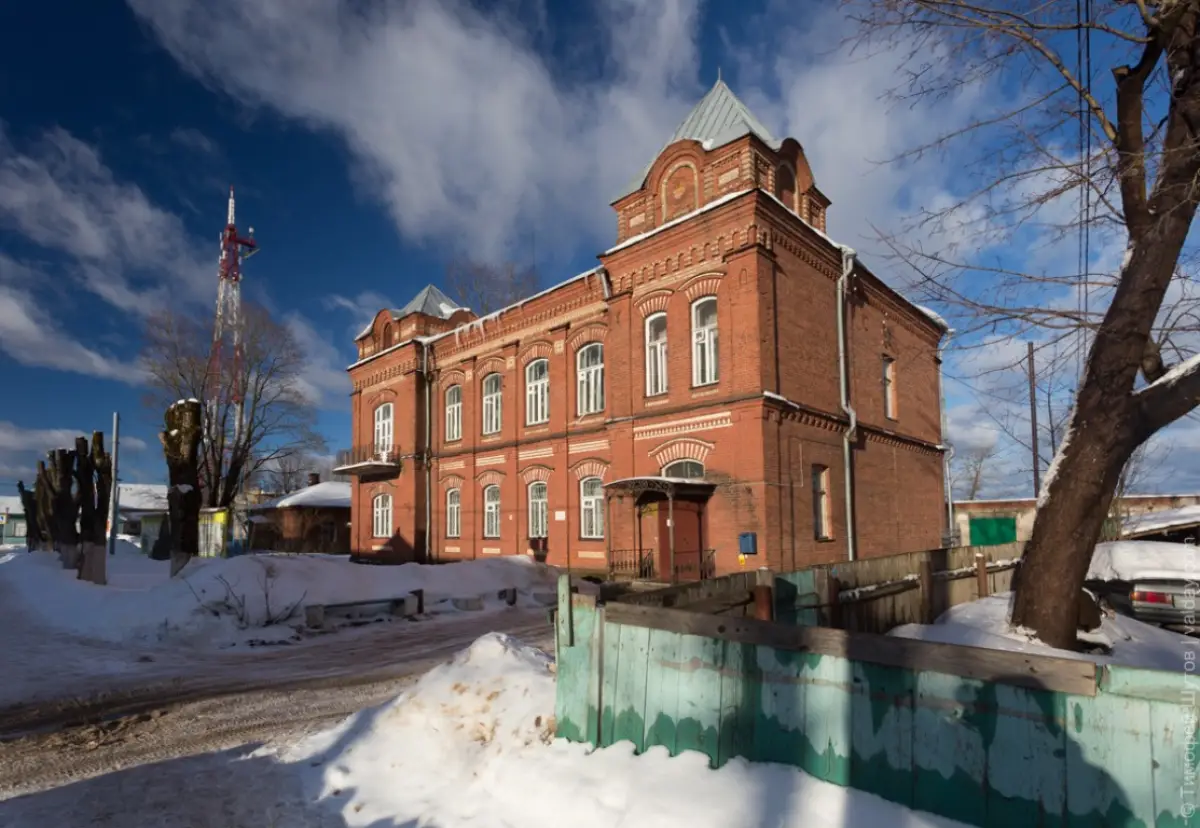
1144	560
219	601
470	744
985	624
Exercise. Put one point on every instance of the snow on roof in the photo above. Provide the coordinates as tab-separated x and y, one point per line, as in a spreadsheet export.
142	497
718	118
934	315
332	494
11	504
1143	560
1149	522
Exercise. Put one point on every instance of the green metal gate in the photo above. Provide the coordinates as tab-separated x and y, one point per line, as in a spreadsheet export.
992	531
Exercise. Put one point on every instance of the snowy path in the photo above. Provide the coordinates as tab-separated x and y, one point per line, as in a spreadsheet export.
52	678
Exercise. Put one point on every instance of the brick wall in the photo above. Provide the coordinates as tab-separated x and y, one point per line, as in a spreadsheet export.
758	431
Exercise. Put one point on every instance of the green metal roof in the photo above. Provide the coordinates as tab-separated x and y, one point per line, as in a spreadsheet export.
719	117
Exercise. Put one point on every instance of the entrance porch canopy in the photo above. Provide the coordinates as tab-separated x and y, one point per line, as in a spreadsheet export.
673	488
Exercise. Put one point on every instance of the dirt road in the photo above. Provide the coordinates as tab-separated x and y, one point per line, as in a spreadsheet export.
238	701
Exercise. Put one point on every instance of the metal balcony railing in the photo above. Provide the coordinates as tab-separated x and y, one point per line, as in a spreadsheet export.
367	459
642	565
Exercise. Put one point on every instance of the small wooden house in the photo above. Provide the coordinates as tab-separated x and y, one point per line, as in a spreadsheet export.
312	519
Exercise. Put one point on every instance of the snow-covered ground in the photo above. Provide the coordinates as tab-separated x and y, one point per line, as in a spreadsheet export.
220	602
984	623
471	744
64	639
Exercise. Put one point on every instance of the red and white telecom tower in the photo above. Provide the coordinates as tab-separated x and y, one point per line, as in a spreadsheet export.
227	329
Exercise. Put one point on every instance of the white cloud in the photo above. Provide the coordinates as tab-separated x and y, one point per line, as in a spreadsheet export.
21	448
324	380
458	125
32	336
195	140
128	251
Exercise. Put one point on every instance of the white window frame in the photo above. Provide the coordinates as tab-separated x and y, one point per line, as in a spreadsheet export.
491	511
589	395
822	507
454	513
591	509
539	509
384	443
537	393
493	404
381	515
677	464
706	364
889	387
656	357
453	413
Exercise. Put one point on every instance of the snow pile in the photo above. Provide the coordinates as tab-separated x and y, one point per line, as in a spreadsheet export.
469	744
1144	560
222	601
984	623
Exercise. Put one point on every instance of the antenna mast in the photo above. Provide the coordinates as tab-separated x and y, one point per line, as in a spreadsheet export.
227	327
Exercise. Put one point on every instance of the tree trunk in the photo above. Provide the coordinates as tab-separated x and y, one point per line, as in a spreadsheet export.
93	479
181	444
64	509
33	532
1072	508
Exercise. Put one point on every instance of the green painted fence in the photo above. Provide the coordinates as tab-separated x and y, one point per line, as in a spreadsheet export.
987	737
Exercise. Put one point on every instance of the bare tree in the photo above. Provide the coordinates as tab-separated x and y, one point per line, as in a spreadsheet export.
1131	161
485	288
278	420
970	468
288	473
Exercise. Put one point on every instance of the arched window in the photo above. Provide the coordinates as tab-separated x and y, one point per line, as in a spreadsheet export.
656	354
538	519
537	392
453	513
383	430
589	365
381	516
684	469
491	404
704	341
491	512
454	413
591	508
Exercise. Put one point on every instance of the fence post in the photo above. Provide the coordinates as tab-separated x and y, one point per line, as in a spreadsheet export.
764	595
926	591
981	574
834	601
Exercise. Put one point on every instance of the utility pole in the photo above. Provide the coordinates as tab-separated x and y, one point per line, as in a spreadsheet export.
115	496
1033	428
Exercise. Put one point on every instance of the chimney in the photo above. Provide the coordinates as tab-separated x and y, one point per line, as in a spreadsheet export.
313	478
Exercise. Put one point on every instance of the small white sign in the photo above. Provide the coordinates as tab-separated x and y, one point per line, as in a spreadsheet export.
3	518
560	516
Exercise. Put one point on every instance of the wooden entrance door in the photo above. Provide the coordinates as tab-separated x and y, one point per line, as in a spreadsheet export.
689	540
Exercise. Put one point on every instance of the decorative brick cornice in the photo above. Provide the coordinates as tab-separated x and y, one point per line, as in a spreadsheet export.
890	438
489	365
654	302
684	425
593	332
706	285
592	467
682	448
536	473
451	376
382	376
536	350
491	477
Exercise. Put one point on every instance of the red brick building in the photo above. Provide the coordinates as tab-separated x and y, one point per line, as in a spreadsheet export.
728	377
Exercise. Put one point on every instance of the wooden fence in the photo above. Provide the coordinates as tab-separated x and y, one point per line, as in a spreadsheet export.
870	595
988	737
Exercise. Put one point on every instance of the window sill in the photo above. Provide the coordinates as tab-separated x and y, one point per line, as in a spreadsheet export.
537	428
658	399
825	540
490	438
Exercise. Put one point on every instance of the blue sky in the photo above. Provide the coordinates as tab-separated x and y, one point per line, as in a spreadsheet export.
369	143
